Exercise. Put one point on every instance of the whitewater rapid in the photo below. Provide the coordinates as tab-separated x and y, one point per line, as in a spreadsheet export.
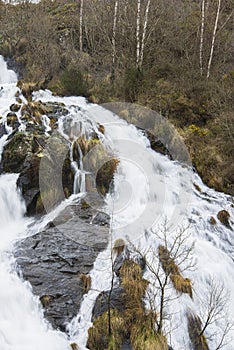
148	188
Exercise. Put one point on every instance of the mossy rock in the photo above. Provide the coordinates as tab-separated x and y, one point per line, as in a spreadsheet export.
35	110
12	120
224	216
15	152
105	176
15	107
212	221
27	89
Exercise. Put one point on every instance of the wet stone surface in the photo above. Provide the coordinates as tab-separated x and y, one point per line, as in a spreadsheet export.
55	260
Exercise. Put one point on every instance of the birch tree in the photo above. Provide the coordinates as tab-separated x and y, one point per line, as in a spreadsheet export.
114	39
202	35
144	33
138	18
213	39
81	25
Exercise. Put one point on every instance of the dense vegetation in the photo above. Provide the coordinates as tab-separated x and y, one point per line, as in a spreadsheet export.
172	59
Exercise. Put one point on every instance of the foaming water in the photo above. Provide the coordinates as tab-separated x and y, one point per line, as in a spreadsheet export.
22	326
148	188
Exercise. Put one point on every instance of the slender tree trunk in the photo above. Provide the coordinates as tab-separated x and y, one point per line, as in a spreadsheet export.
213	39
202	35
114	40
81	24
144	34
138	34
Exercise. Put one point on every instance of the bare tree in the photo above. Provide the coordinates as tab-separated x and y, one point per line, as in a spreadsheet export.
214	310
166	264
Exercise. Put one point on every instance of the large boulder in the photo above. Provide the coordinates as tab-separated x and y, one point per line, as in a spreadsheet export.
56	260
23	154
16	150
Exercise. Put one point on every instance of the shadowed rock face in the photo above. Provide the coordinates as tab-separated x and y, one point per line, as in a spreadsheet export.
55	260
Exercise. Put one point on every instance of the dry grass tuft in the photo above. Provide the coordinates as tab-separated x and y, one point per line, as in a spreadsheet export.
168	263
143	336
119	246
134	322
86	280
99	337
181	284
212	221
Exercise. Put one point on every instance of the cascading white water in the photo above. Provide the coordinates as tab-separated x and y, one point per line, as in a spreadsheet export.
22	326
148	188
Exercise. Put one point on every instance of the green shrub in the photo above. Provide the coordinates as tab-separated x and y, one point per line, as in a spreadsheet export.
132	83
73	82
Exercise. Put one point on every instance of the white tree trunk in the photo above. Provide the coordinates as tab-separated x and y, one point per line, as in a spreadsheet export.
81	24
202	35
144	33
213	39
114	37
138	33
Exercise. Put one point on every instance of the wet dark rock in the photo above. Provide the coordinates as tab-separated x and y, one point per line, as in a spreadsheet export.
55	109
101	304
28	182
15	152
15	107
128	254
55	260
101	219
2	130
156	144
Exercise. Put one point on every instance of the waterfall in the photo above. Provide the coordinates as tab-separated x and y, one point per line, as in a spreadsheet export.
148	188
22	326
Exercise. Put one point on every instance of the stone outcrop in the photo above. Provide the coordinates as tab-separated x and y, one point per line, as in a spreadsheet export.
55	261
